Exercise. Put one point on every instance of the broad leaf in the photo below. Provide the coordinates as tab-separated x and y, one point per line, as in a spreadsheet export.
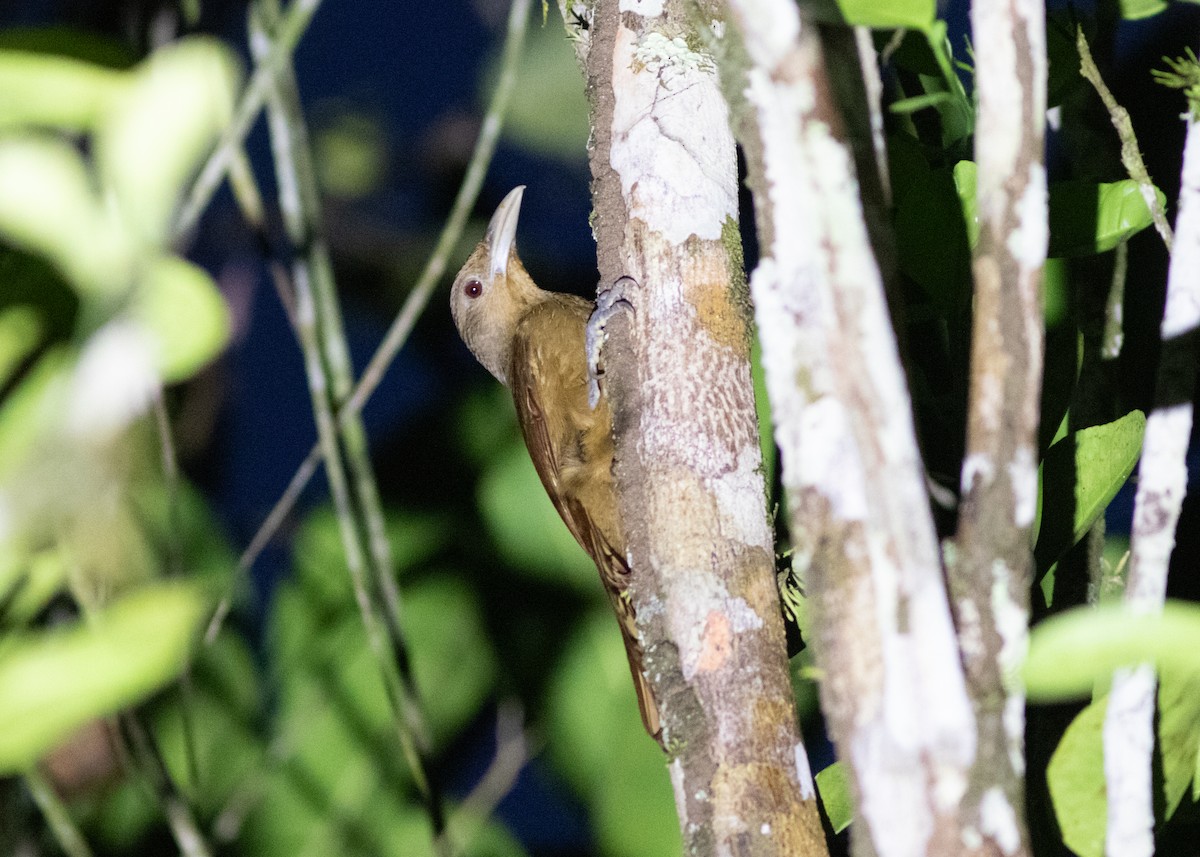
1075	776
525	526
889	14
1087	218
52	682
1080	476
180	306
163	123
1070	653
833	785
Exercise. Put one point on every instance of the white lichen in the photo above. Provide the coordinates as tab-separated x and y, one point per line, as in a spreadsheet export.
671	143
1030	239
1012	624
998	820
808	789
645	8
1022	475
670	59
977	467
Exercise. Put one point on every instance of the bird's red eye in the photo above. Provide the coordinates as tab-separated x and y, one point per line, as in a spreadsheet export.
473	288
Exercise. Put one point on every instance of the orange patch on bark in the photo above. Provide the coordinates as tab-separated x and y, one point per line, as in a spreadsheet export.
715	642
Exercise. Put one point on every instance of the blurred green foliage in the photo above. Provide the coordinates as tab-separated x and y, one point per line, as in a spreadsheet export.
290	748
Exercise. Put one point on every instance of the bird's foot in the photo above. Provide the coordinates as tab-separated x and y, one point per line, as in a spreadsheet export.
609	301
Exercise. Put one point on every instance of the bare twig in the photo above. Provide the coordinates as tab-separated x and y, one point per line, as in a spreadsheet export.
327	366
57	816
287	35
170	468
397	335
143	750
511	756
1114	308
1131	155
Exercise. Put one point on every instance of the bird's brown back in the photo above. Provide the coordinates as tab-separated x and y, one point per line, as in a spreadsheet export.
572	450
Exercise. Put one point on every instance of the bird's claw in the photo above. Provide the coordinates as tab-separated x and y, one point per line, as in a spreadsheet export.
609	301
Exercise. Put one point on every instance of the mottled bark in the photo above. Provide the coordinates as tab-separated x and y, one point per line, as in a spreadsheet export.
991	578
1162	483
688	465
892	688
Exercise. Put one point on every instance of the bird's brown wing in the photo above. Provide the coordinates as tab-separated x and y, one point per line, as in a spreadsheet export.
553	445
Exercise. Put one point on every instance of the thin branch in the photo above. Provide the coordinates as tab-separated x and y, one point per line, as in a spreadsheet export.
170	473
418	298
142	748
1131	155
1162	485
990	580
858	510
511	756
1114	308
291	29
327	364
57	816
868	62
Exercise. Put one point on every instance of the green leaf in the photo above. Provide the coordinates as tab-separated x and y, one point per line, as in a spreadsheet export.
525	525
965	175
53	682
29	410
30	582
933	240
48	206
55	91
350	154
597	741
908	106
1088	218
227	748
889	14
319	560
1070	653
1136	10
1178	734
179	304
1080	476
165	121
762	407
833	785
1075	776
21	330
323	656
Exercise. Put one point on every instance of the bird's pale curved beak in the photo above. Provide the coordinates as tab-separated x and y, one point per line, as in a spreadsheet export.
502	231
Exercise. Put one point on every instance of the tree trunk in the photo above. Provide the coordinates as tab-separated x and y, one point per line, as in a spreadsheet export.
892	687
688	463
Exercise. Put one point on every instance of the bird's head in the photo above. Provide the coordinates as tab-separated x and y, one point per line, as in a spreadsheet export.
493	290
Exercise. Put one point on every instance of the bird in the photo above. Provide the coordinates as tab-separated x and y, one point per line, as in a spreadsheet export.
534	342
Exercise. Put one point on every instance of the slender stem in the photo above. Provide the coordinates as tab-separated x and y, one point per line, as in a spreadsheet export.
1162	486
66	834
287	35
1131	155
1114	310
327	363
511	756
418	298
468	192
143	749
170	473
